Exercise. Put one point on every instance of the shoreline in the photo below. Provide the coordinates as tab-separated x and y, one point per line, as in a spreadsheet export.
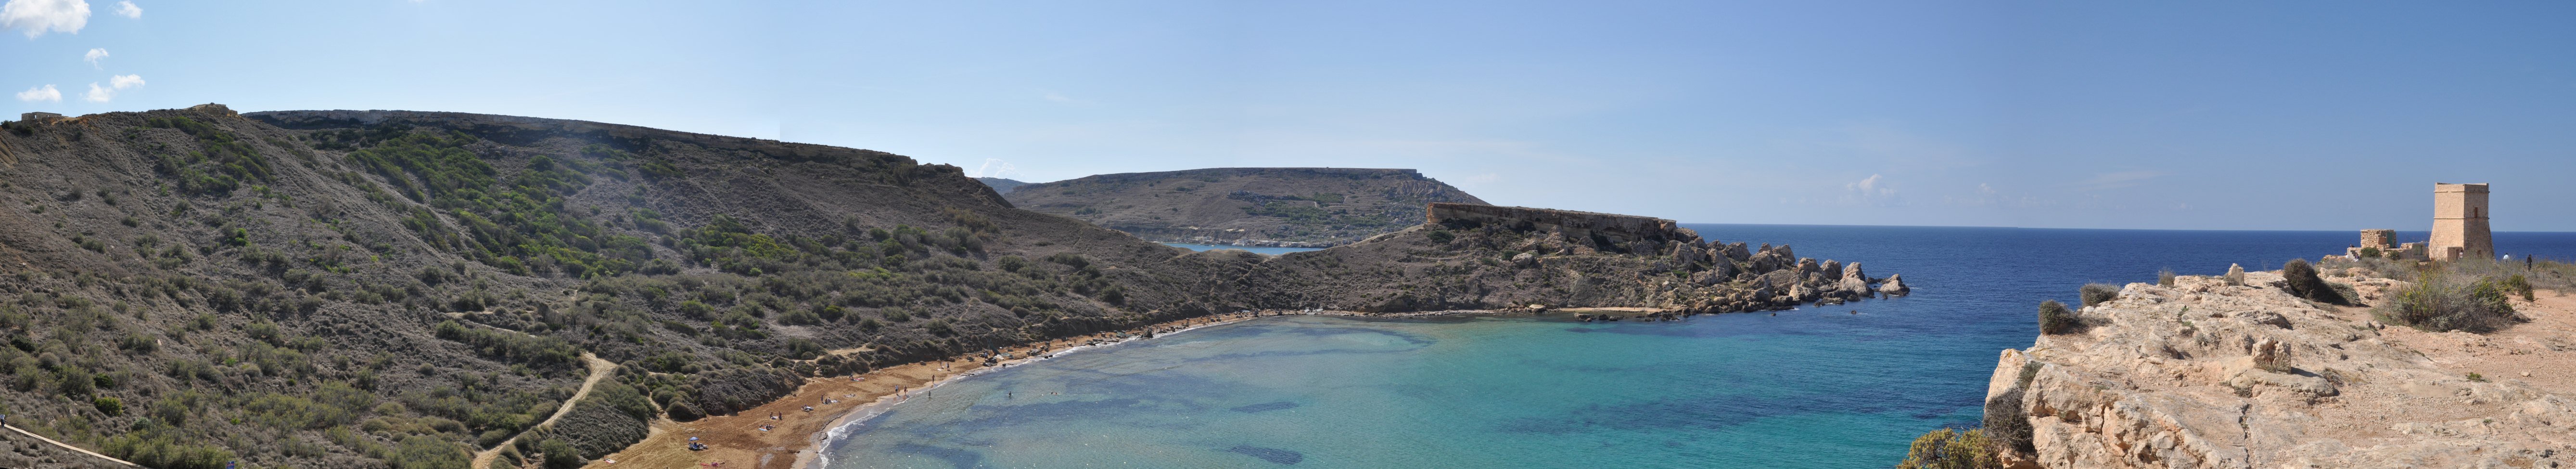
740	439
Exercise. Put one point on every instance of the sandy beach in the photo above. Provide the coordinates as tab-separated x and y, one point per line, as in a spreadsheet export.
784	435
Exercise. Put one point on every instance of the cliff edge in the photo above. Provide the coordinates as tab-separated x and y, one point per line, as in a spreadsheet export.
2206	373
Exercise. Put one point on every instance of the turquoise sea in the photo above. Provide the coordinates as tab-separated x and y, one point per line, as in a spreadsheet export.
1833	387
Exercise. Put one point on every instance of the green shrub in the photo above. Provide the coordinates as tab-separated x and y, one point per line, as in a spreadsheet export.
2441	301
428	452
2054	318
2370	252
683	412
2097	293
108	405
1951	449
2165	278
2006	423
2520	284
561	454
2304	283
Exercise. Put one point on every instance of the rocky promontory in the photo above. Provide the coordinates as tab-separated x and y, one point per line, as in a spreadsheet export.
2214	372
1483	257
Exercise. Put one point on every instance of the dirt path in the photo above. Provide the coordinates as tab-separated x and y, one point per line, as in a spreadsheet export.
69	447
599	369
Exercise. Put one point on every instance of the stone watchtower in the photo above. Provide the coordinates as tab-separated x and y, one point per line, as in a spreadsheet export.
2460	223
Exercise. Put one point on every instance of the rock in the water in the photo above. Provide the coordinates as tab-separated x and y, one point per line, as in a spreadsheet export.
1895	286
1833	269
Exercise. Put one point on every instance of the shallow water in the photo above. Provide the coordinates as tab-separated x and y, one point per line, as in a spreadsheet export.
1815	387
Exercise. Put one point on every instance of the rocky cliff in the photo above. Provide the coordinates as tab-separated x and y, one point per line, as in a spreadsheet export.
2207	373
1253	206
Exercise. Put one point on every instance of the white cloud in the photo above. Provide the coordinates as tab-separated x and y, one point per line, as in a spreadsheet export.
1870	187
99	94
127	9
35	17
1872	190
41	93
996	168
1983	188
93	56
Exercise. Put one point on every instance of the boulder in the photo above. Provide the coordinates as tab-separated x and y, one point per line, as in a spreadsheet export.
1833	269
1852	287
1525	260
1894	286
1807	265
1736	252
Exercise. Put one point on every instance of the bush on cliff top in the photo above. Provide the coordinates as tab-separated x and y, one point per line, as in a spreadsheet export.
2304	283
2097	293
2440	301
1951	449
2054	318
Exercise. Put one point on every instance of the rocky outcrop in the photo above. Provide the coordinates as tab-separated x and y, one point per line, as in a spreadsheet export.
1616	232
1475	257
2218	373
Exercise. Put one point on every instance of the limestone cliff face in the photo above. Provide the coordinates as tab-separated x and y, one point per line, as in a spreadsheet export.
2208	374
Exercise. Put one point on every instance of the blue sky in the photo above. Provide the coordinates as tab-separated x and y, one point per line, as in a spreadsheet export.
2187	115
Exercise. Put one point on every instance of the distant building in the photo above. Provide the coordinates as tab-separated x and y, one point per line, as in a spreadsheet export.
2379	243
38	116
2460	223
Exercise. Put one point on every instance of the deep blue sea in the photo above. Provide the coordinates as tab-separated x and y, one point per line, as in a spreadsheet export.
1832	387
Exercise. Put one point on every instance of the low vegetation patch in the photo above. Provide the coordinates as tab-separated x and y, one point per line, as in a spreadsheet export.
1951	449
2098	293
2304	283
2447	301
2055	318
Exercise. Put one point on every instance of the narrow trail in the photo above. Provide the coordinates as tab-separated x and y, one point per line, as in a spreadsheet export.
68	446
599	369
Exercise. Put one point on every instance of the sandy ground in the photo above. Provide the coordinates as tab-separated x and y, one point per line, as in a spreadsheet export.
753	439
2541	353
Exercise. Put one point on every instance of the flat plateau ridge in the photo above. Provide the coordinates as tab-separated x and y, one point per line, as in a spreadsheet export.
2169	377
1296	207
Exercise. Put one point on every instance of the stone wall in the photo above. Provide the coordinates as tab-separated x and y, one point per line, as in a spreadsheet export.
2382	239
2460	222
1618	230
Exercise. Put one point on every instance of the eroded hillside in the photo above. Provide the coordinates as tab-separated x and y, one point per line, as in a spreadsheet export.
399	289
1261	206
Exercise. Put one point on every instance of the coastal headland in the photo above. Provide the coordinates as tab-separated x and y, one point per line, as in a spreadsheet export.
2242	372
